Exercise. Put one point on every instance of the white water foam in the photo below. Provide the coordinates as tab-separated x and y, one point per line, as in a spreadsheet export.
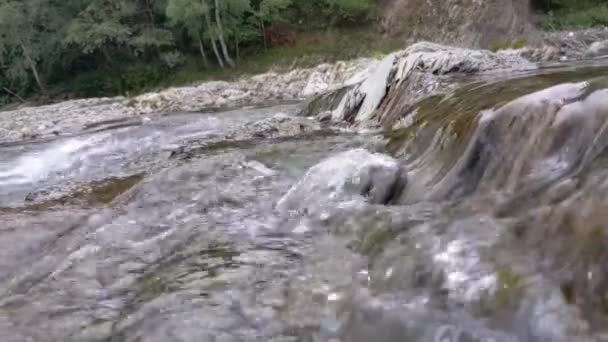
38	165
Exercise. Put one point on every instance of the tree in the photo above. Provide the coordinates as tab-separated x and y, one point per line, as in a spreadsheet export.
237	26
193	15
99	25
214	21
269	11
220	32
349	10
43	41
28	31
105	25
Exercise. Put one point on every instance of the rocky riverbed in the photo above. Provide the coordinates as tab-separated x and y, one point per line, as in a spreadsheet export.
71	117
436	194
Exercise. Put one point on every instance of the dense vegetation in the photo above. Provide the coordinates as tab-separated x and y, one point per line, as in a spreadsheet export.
52	49
106	47
572	14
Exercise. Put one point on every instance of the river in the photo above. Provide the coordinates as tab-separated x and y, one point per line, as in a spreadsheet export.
166	230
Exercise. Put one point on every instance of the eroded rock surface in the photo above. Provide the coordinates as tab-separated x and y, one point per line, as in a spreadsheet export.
403	77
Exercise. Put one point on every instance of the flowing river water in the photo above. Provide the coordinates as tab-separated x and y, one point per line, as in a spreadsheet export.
488	225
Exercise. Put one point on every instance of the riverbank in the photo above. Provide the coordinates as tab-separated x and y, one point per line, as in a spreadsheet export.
130	79
71	117
292	84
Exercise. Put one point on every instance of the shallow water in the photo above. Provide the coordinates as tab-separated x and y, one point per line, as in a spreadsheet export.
163	231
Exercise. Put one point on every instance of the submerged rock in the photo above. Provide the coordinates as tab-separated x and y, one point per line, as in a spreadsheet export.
352	175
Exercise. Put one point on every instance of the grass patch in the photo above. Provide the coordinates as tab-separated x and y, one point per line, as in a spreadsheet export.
576	18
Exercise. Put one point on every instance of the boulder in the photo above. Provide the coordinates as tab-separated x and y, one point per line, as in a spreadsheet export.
472	23
356	175
597	49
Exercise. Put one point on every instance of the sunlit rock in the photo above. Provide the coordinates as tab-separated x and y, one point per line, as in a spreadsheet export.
374	88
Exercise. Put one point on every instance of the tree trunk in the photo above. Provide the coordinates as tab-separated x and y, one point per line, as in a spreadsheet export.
33	67
150	11
236	49
201	47
107	56
220	61
263	27
10	92
216	51
220	30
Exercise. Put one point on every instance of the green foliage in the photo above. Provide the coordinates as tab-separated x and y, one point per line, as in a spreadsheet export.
172	59
100	23
548	5
273	10
28	33
187	13
109	47
118	80
586	18
350	10
331	13
572	14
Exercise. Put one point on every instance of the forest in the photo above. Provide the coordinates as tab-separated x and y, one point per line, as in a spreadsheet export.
106	47
60	49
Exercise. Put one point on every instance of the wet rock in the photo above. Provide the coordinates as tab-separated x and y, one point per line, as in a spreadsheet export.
597	49
545	53
355	175
393	319
574	45
405	76
374	88
273	87
549	318
280	125
531	140
260	89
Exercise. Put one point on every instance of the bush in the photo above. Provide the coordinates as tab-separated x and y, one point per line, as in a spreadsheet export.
549	5
576	19
172	59
115	81
141	76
